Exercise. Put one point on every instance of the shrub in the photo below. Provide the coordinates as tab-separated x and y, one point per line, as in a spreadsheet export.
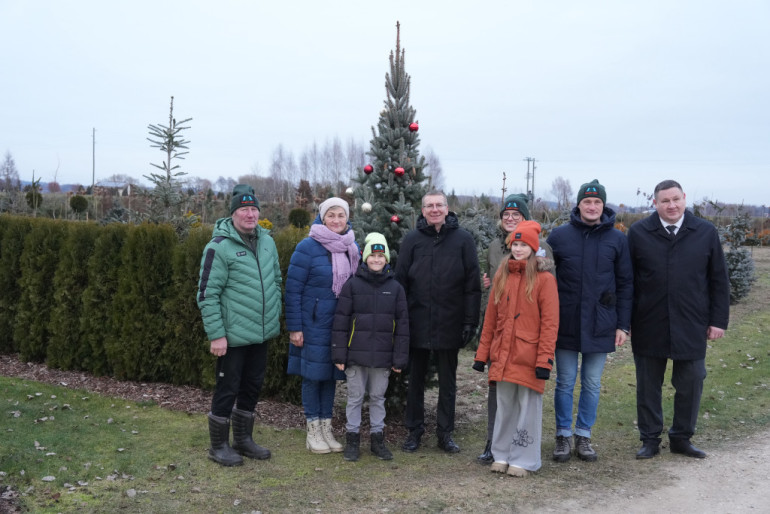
137	311
185	358
39	261
299	218
13	230
96	321
71	279
79	204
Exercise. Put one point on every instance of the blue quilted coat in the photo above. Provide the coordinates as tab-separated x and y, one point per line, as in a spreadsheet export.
310	304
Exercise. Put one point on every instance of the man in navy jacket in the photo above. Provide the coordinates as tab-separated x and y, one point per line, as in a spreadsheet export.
593	271
681	300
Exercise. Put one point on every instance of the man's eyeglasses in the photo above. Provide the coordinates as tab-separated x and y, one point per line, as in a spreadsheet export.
432	206
512	215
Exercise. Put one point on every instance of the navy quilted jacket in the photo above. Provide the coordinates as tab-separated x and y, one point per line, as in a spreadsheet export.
371	325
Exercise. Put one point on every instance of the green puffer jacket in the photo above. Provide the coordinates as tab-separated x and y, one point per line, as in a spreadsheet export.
239	293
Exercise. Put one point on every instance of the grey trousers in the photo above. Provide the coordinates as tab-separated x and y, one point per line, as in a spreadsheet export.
518	426
360	381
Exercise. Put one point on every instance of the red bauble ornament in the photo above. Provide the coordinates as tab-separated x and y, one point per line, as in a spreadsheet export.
395	218
414	127
399	172
368	169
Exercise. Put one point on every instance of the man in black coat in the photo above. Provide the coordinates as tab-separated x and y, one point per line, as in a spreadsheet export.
439	269
681	300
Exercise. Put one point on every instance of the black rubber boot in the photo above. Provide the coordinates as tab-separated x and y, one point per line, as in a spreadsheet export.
486	457
352	444
220	451
378	446
243	428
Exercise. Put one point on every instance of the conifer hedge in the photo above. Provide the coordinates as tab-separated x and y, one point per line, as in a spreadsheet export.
65	348
39	260
13	230
117	300
103	269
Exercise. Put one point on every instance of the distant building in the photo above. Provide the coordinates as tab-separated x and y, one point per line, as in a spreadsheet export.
113	188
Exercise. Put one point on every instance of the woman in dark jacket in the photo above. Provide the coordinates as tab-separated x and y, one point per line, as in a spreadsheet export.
319	267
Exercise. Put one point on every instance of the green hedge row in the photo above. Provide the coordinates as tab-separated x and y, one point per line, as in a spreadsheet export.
117	300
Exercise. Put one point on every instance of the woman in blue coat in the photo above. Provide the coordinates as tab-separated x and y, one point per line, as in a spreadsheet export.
319	266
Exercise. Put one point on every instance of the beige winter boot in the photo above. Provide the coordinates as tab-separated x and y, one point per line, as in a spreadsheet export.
315	439
328	435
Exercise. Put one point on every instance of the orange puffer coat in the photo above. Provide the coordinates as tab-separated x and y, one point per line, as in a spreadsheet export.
520	335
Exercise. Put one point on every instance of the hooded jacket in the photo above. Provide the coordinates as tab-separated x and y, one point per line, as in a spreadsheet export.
371	324
310	306
595	278
440	275
519	335
239	290
681	287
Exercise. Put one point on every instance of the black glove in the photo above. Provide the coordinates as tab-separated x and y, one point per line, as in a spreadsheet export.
478	366
468	332
543	373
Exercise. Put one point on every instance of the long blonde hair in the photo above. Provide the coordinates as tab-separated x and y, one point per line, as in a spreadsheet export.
501	277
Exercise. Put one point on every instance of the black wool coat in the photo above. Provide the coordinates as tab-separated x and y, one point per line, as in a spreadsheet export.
681	287
441	276
371	323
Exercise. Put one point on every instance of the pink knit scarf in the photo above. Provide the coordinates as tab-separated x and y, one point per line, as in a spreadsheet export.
344	253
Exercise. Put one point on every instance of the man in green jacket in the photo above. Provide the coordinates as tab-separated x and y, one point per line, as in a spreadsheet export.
239	295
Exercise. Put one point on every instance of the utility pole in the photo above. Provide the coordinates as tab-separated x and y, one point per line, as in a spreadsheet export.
531	188
502	199
93	160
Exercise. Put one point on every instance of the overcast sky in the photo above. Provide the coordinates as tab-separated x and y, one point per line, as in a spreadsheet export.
630	92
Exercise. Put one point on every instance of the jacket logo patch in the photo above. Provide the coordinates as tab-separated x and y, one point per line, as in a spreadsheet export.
386	292
240	254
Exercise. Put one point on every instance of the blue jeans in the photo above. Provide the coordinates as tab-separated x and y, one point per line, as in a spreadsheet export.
318	398
590	385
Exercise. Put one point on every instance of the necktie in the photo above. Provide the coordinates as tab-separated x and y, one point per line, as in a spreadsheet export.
671	230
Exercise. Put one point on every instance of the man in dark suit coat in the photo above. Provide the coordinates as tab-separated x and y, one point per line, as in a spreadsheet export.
681	300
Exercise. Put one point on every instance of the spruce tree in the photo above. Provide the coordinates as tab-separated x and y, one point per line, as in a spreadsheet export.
740	265
391	187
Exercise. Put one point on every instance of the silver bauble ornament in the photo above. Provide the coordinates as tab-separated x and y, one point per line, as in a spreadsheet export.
366	207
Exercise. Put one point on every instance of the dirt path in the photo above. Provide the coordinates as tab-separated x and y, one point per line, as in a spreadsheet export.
733	479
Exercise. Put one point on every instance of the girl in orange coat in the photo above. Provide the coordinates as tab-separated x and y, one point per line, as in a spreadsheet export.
518	339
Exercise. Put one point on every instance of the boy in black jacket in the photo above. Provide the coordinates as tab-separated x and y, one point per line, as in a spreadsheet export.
370	337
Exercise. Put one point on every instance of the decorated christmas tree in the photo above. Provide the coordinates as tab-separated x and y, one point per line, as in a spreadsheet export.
390	188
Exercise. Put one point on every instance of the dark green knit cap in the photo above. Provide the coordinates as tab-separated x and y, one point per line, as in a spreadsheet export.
517	202
592	190
243	196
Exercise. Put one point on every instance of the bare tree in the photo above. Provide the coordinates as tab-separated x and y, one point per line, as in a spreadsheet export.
562	190
434	171
9	175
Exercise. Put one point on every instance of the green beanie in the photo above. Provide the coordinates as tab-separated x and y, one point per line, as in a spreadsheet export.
592	190
243	196
376	243
517	202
